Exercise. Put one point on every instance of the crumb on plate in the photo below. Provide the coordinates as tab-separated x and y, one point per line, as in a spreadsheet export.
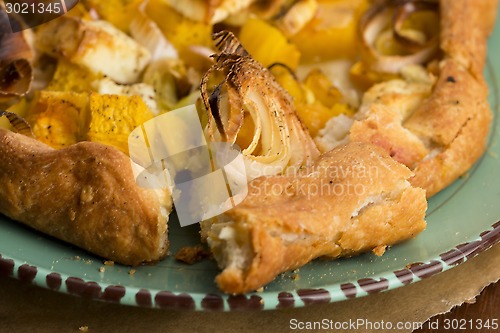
109	263
192	254
379	250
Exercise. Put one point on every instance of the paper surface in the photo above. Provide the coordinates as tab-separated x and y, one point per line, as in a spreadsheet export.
26	308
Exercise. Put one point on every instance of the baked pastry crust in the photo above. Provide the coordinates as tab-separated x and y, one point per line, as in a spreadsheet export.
462	123
465	27
363	202
86	195
437	129
456	119
447	133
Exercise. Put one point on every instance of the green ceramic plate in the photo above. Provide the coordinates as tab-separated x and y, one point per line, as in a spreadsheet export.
461	223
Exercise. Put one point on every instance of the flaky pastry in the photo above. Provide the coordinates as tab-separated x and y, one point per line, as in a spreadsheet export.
86	195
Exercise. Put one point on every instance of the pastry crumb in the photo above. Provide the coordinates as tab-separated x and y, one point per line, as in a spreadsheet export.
261	289
83	329
132	271
109	263
192	254
295	277
102	269
379	250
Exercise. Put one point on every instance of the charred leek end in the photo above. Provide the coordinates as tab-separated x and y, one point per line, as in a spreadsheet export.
19	124
16	77
250	109
16	72
227	43
396	34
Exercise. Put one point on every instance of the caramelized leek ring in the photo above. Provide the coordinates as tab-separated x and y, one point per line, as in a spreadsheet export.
388	44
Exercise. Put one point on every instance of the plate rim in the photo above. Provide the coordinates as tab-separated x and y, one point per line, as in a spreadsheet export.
272	300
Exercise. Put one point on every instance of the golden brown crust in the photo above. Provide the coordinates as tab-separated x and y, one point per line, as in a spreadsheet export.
382	120
446	134
456	120
457	116
84	194
465	27
364	202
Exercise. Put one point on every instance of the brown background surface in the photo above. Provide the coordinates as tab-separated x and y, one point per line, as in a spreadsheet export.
486	307
27	308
